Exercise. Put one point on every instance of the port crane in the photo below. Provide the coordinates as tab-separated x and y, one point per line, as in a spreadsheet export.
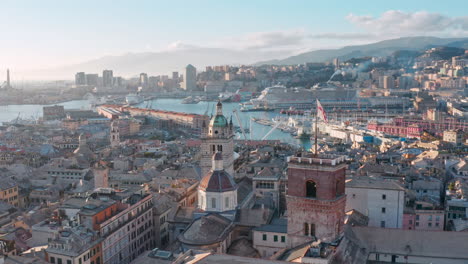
240	123
271	130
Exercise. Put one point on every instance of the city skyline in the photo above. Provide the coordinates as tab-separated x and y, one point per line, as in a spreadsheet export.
66	34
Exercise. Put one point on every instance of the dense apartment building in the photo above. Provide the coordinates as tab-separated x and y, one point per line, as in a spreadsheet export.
9	192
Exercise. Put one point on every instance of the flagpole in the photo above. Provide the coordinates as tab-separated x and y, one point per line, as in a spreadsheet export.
316	130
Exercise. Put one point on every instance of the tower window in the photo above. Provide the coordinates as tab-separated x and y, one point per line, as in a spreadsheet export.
213	202
213	147
220	147
226	202
306	229
311	189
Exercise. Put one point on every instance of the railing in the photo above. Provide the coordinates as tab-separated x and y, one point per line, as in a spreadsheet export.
332	160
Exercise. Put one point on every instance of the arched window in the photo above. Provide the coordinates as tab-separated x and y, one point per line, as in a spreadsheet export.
213	202
312	229
213	148
311	189
220	147
226	202
306	229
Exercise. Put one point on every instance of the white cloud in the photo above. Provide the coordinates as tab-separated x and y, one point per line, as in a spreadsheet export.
399	23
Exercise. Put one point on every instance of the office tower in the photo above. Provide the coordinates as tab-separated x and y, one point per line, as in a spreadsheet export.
107	78
8	79
143	79
175	76
190	81
92	79
80	78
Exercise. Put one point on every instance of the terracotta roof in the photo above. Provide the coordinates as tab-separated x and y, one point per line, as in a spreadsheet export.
217	181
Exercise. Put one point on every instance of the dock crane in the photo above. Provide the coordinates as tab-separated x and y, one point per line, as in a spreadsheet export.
240	123
272	129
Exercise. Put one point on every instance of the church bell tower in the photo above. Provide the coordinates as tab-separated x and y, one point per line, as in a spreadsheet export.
217	136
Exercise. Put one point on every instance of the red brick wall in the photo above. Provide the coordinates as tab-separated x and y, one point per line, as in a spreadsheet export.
326	211
325	181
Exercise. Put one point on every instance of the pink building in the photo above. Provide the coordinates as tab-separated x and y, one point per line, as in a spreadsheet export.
431	220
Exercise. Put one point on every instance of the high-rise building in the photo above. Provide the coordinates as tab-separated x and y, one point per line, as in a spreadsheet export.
107	78
336	62
8	84
218	136
92	79
80	78
175	76
143	79
190	78
315	198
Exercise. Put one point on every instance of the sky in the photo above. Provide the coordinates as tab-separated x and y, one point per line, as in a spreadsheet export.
51	33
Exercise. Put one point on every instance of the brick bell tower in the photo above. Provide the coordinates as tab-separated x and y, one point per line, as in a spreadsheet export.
315	198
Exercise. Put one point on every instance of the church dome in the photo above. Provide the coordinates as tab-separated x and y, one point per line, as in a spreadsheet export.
219	121
217	181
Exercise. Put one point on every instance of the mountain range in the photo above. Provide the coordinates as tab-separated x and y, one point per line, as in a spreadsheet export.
381	48
132	64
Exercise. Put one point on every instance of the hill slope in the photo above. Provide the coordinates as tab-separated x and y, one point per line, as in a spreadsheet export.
382	48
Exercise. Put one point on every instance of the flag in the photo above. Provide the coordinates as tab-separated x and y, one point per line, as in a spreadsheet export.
321	112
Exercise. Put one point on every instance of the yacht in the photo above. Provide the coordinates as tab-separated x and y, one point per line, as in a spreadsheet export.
133	99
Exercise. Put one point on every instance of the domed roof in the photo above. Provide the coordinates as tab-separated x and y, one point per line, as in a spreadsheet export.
219	121
217	181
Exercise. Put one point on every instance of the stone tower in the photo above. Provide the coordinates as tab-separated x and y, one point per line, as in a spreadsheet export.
218	136
114	134
315	198
101	175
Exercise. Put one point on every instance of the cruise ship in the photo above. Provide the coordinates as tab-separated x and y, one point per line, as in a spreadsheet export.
281	97
133	99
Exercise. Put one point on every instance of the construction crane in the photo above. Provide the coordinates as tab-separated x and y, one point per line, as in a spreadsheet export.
272	129
240	123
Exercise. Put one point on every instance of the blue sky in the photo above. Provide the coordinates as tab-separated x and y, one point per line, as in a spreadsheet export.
46	33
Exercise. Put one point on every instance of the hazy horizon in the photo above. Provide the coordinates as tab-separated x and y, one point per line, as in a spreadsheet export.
41	37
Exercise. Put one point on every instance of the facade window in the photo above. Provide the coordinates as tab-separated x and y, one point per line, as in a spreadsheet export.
383	210
417	217
275	238
311	189
69	261
226	202
437	224
264	237
312	229
59	261
306	229
437	217
417	223
213	202
382	223
283	239
52	260
429	224
384	197
430	218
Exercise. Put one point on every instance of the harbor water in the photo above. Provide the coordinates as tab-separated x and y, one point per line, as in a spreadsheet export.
257	131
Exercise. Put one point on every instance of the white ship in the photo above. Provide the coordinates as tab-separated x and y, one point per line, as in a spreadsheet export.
133	99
